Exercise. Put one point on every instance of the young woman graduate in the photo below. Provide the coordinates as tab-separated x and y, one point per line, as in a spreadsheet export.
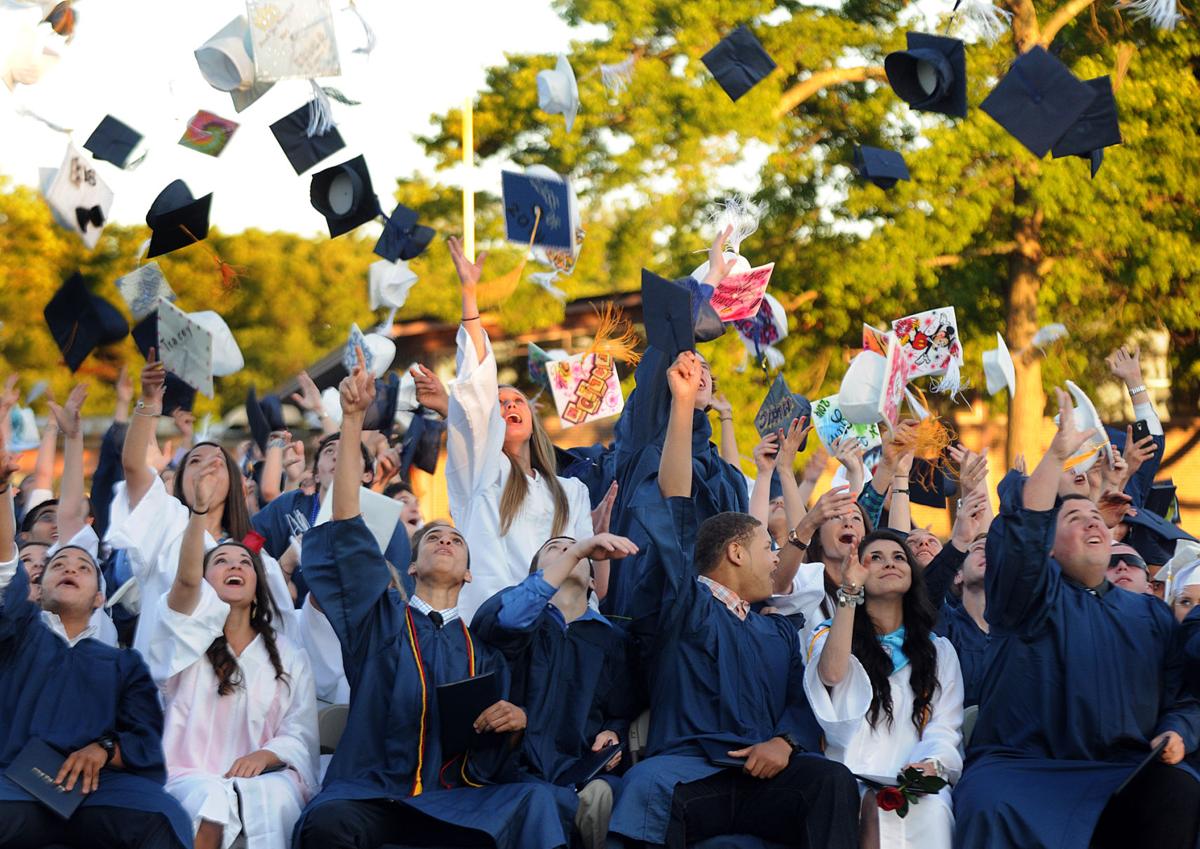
149	523
505	493
93	703
390	780
241	715
887	691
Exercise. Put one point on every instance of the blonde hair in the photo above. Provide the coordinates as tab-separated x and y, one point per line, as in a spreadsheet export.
541	460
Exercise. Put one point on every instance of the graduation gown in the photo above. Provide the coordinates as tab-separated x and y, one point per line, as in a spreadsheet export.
717	678
69	696
1077	685
386	751
970	643
574	680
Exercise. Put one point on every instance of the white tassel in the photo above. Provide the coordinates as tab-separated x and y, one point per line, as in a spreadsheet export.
616	78
1161	13
989	21
1049	334
951	382
320	112
546	279
142	251
29	113
739	212
367	31
913	404
773	357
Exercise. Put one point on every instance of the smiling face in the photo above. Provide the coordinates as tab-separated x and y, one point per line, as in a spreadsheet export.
1072	483
45	525
33	558
708	385
1082	544
924	545
441	557
230	571
888	571
71	583
196	459
517	415
841	534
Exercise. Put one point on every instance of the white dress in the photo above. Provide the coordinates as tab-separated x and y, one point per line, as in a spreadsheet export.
476	472
884	750
204	733
152	534
806	595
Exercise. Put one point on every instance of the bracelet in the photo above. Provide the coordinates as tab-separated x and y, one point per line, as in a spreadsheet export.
899	491
144	409
472	318
199	512
1134	390
725	418
845	599
277	443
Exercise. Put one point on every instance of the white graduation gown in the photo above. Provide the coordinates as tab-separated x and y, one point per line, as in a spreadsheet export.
806	595
324	654
476	472
885	750
204	733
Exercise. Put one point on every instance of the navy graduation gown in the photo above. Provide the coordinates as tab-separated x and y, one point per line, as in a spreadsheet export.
573	683
378	753
1077	685
956	625
68	697
716	677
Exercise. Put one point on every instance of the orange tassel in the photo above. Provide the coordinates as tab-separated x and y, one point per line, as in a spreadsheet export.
501	288
614	336
928	440
229	274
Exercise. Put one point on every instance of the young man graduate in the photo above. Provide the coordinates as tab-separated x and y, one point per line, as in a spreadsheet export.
92	703
390	780
1083	680
733	742
571	669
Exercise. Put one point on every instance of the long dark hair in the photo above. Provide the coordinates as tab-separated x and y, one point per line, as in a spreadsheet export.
815	553
263	613
236	516
919	617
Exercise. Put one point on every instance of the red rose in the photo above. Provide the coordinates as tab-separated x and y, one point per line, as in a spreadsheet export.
889	799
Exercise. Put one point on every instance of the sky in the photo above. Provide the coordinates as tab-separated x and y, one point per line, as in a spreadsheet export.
134	59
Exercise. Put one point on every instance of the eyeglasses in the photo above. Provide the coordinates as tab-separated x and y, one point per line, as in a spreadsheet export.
1128	559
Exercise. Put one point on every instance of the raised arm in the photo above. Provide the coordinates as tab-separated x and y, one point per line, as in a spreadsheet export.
309	400
729	446
834	502
357	392
70	497
813	470
1041	489
184	594
271	481
43	468
675	466
785	465
900	511
138	474
764	465
469	272
124	393
8	520
849	452
835	658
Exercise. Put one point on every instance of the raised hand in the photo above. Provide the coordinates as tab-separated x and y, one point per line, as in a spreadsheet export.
972	467
8	467
469	273
1137	453
293	460
185	423
764	453
1019	464
124	386
1115	506
309	396
68	416
1114	475
973	512
721	404
1069	437
603	547
849	452
431	392
854	574
1126	364
684	376
357	389
815	466
204	485
785	459
834	502
10	397
718	265
154	378
602	515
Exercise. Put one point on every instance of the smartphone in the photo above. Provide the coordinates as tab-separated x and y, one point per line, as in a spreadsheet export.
1141	429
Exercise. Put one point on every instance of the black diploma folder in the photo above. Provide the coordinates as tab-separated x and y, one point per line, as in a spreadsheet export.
459	705
587	768
34	769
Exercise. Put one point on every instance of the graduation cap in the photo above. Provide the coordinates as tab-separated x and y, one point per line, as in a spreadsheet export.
302	150
1097	128
779	407
142	288
558	92
113	141
403	238
226	62
264	417
421	445
931	75
343	194
80	322
177	219
176	394
544	198
882	167
208	133
1153	536
1038	100
677	314
388	283
998	368
196	346
381	415
739	62
79	199
1163	501
928	486
30	517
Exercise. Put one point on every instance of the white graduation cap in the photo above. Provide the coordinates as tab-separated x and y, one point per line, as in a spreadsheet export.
558	92
380	513
227	64
331	403
197	346
862	388
1180	570
998	369
77	196
142	288
24	432
378	351
389	283
1086	418
293	39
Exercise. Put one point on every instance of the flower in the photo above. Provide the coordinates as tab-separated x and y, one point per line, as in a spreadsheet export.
890	799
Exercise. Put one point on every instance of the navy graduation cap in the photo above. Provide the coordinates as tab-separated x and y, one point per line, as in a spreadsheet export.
928	486
343	194
739	62
931	75
304	151
677	314
177	219
80	322
524	197
403	238
1097	128
421	445
381	415
1038	100
176	394
264	417
882	167
113	141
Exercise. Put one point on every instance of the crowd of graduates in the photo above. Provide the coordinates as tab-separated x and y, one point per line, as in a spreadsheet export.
630	644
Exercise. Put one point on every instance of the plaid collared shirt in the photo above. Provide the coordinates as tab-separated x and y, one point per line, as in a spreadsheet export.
732	601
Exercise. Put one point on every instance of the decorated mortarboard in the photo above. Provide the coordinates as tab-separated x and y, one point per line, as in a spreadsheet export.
80	322
265	416
931	74
998	369
540	201
881	167
77	196
740	295
293	39
378	352
23	431
539	362
831	425
739	62
760	333
196	346
177	219
302	146
226	62
142	288
931	338
176	394
344	195
403	238
388	283
872	389
586	387
558	92
779	408
208	133
1097	128
113	141
379	513
1038	100
677	314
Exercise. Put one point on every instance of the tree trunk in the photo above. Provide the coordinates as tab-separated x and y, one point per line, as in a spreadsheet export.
1024	281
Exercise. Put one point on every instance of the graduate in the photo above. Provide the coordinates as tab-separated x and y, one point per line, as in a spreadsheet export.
241	716
1083	680
501	473
964	624
149	523
93	703
390	781
887	691
734	748
571	670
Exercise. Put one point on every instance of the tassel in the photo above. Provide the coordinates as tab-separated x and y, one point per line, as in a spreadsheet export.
616	78
367	31
546	279
951	382
1160	13
320	112
615	337
1125	53
499	289
1049	334
917	404
229	274
989	21
773	358
143	249
29	113
336	94
738	212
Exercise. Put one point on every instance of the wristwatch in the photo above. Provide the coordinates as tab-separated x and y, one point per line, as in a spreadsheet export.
793	742
794	539
109	744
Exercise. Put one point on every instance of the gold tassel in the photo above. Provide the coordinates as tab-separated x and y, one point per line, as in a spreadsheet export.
614	336
230	274
928	440
501	288
1125	52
